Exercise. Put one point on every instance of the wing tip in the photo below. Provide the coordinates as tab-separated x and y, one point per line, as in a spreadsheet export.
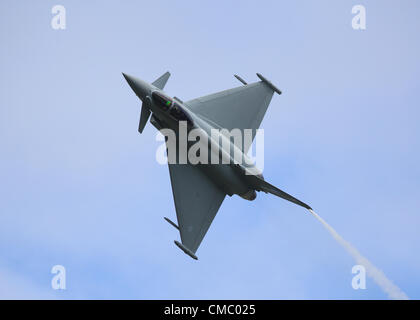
186	250
268	82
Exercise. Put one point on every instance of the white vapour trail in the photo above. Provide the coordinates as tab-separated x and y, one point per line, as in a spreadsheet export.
377	275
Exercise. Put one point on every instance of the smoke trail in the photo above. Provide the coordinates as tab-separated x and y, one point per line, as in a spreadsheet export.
377	275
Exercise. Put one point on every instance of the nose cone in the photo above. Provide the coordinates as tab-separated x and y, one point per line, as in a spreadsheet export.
140	87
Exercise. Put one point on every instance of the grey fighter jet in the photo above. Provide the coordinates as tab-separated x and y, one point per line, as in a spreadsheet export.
199	189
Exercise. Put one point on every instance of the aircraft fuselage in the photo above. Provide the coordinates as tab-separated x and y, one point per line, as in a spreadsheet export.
227	175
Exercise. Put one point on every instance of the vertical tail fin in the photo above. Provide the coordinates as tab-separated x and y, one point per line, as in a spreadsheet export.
262	185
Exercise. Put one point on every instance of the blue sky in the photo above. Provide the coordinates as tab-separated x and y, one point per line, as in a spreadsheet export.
81	188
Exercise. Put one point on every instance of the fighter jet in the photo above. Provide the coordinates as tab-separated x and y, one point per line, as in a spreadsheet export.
199	189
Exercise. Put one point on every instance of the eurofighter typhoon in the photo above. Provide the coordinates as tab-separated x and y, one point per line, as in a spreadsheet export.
200	188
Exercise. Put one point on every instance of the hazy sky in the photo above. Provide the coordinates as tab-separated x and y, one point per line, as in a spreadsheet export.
81	188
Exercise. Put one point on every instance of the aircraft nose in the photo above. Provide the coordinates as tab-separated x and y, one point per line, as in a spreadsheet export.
140	87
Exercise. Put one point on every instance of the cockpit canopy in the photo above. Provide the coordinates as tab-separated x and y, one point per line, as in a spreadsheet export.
161	100
175	110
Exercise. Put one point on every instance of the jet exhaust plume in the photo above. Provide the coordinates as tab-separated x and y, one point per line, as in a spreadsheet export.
377	275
